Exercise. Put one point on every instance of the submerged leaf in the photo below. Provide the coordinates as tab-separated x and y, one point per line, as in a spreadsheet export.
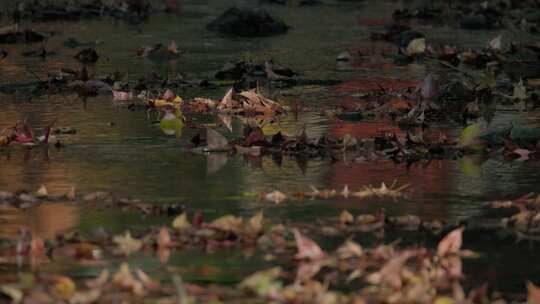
470	137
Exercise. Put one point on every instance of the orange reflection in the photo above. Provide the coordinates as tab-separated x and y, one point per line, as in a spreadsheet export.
46	221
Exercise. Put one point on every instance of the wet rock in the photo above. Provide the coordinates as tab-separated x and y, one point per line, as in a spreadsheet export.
88	55
247	22
26	36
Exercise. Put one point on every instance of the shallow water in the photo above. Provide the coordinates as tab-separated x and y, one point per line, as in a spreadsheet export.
119	150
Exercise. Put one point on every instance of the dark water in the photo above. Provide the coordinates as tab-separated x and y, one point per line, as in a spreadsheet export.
133	157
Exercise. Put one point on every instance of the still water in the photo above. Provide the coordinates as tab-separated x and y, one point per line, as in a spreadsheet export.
119	150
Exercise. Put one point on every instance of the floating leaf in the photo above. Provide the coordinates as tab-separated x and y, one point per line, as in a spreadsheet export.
42	191
255	224
164	238
171	124
451	243
181	222
127	244
229	223
87	297
263	283
15	294
63	288
495	44
275	196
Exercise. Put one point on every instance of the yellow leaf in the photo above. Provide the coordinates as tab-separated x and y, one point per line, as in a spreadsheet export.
255	224
181	222
444	300
63	288
229	223
470	137
416	46
127	244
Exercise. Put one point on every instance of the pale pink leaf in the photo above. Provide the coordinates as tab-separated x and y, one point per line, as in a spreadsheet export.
307	248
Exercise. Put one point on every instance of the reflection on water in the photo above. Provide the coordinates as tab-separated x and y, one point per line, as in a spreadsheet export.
46	221
121	150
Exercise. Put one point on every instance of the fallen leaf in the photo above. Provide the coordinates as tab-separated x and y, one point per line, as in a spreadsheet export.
263	283
122	96
275	197
229	223
164	238
42	191
63	288
470	137
495	44
416	46
147	281
390	273
451	243
123	278
346	218
100	280
255	224
533	293
15	294
181	222
127	244
307	248
86	297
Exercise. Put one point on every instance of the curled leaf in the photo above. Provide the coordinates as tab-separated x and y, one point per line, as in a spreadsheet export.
451	243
